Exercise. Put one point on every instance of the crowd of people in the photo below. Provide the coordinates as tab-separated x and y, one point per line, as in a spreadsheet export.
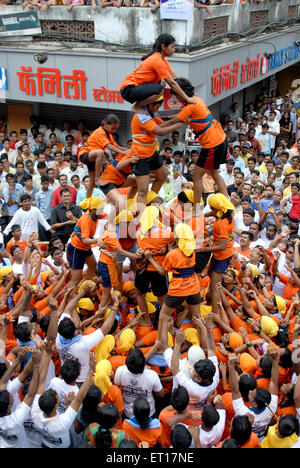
149	294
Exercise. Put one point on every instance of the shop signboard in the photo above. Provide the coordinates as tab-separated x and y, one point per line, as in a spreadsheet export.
20	24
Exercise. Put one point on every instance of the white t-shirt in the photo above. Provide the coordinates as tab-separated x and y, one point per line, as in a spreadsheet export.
80	349
213	437
63	389
12	433
274	127
137	385
198	393
55	431
13	387
261	420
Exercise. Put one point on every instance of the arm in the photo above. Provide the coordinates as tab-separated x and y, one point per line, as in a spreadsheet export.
211	346
217	248
86	384
179	340
34	379
273	388
233	381
22	352
297	254
158	268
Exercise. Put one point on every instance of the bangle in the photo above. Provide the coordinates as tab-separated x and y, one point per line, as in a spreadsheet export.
249	345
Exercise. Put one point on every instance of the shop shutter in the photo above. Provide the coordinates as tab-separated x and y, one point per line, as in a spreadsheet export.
92	116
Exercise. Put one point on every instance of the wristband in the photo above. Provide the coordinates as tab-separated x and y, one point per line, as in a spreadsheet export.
258	331
249	345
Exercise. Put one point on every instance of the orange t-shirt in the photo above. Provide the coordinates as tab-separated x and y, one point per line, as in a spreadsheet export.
153	435
230	413
245	253
253	442
165	414
99	139
112	174
144	139
85	228
198	112
151	70
175	261
114	395
222	229
111	244
22	244
161	237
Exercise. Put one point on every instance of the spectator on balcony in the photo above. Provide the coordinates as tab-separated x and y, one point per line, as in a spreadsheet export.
52	129
72	3
68	130
154	4
202	4
42	4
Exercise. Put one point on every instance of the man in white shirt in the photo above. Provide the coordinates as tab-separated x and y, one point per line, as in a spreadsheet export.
205	376
11	153
259	397
74	169
12	432
70	343
226	171
274	128
135	380
28	218
213	423
66	383
52	129
56	427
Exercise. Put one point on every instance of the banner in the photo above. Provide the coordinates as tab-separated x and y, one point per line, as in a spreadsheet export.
176	9
20	24
170	101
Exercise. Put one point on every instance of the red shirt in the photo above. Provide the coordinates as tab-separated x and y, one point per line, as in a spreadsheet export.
56	199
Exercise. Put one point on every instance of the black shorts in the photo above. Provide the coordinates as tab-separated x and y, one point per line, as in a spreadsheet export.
174	302
202	259
84	158
108	187
212	158
158	283
146	165
140	92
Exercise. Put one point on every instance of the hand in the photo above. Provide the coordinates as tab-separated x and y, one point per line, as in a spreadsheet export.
289	267
100	243
252	324
232	359
53	304
48	347
180	338
223	367
195	432
148	253
195	417
191	100
36	357
134	159
22	353
273	352
261	280
244	334
276	256
208	321
69	398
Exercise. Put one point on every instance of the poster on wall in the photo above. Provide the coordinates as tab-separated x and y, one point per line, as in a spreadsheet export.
176	9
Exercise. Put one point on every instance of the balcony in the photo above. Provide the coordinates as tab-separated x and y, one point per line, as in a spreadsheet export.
136	28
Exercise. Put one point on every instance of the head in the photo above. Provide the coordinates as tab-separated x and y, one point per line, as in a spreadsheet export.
241	429
179	398
141	411
180	438
70	371
248	216
65	195
49	402
67	328
16	253
111	123
25	201
210	417
204	371
135	361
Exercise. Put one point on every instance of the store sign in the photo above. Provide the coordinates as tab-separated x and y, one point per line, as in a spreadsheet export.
229	77
176	9
51	81
283	56
20	24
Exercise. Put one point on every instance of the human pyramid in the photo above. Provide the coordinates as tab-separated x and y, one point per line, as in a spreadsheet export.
188	355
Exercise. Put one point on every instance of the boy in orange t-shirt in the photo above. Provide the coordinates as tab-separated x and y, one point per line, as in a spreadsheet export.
92	152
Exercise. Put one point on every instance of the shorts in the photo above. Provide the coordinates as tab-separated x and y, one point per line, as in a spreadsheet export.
84	158
174	302
121	258
159	284
109	275
77	257
108	187
220	266
202	259
140	92
212	158
146	165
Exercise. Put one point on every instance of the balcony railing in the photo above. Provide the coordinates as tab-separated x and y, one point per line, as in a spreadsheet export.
136	28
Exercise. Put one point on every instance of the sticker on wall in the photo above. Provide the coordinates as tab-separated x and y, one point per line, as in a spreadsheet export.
3	78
